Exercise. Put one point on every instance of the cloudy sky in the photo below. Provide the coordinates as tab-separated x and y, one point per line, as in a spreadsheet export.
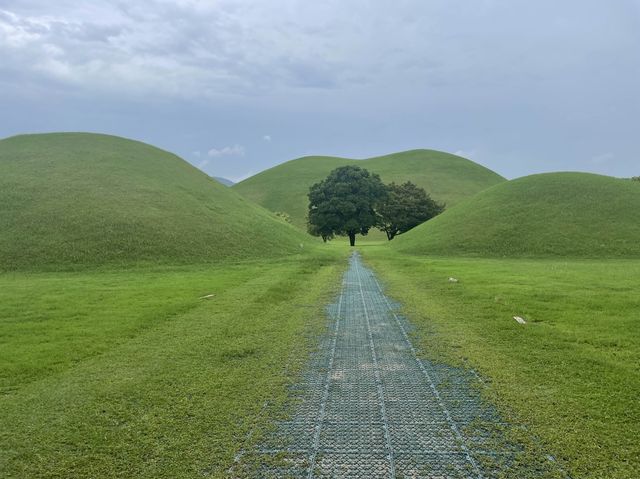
237	86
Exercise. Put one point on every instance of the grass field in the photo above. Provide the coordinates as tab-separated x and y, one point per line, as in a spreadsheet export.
112	364
571	374
553	215
78	200
448	178
129	373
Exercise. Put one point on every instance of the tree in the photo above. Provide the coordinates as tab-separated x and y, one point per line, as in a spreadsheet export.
635	178
345	203
405	207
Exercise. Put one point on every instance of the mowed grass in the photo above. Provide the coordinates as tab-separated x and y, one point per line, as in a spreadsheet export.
571	374
548	215
80	200
129	373
447	178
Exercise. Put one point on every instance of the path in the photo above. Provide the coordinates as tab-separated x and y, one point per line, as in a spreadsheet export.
368	407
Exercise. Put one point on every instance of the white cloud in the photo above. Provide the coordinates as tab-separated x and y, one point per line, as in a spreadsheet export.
252	48
266	137
196	154
235	150
198	49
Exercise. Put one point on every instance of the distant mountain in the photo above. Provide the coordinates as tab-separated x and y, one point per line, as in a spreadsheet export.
224	181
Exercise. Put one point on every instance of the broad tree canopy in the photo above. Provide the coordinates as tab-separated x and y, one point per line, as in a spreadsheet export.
345	203
405	207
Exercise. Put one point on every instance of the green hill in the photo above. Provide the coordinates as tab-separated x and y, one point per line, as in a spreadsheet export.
446	178
553	214
71	199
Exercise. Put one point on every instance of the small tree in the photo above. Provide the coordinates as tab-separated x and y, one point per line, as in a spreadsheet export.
344	203
405	207
635	178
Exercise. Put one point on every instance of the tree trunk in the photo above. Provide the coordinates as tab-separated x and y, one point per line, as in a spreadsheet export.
352	238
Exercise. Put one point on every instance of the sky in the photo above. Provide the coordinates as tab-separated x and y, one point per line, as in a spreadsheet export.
238	86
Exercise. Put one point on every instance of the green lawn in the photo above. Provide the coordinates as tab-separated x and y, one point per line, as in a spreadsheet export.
132	374
129	373
571	374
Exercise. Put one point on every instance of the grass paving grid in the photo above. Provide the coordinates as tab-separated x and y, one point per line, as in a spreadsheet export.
369	407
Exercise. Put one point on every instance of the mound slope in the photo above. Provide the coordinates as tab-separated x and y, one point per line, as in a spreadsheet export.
447	178
71	199
552	214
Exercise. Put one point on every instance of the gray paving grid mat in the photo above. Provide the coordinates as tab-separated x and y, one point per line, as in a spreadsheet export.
368	407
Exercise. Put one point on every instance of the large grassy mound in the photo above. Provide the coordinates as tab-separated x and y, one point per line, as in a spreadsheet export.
70	199
447	178
553	214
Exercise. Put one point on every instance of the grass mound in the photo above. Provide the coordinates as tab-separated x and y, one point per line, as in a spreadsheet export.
447	178
80	199
552	214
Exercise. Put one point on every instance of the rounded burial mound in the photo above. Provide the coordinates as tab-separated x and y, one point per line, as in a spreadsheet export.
554	214
447	178
79	199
